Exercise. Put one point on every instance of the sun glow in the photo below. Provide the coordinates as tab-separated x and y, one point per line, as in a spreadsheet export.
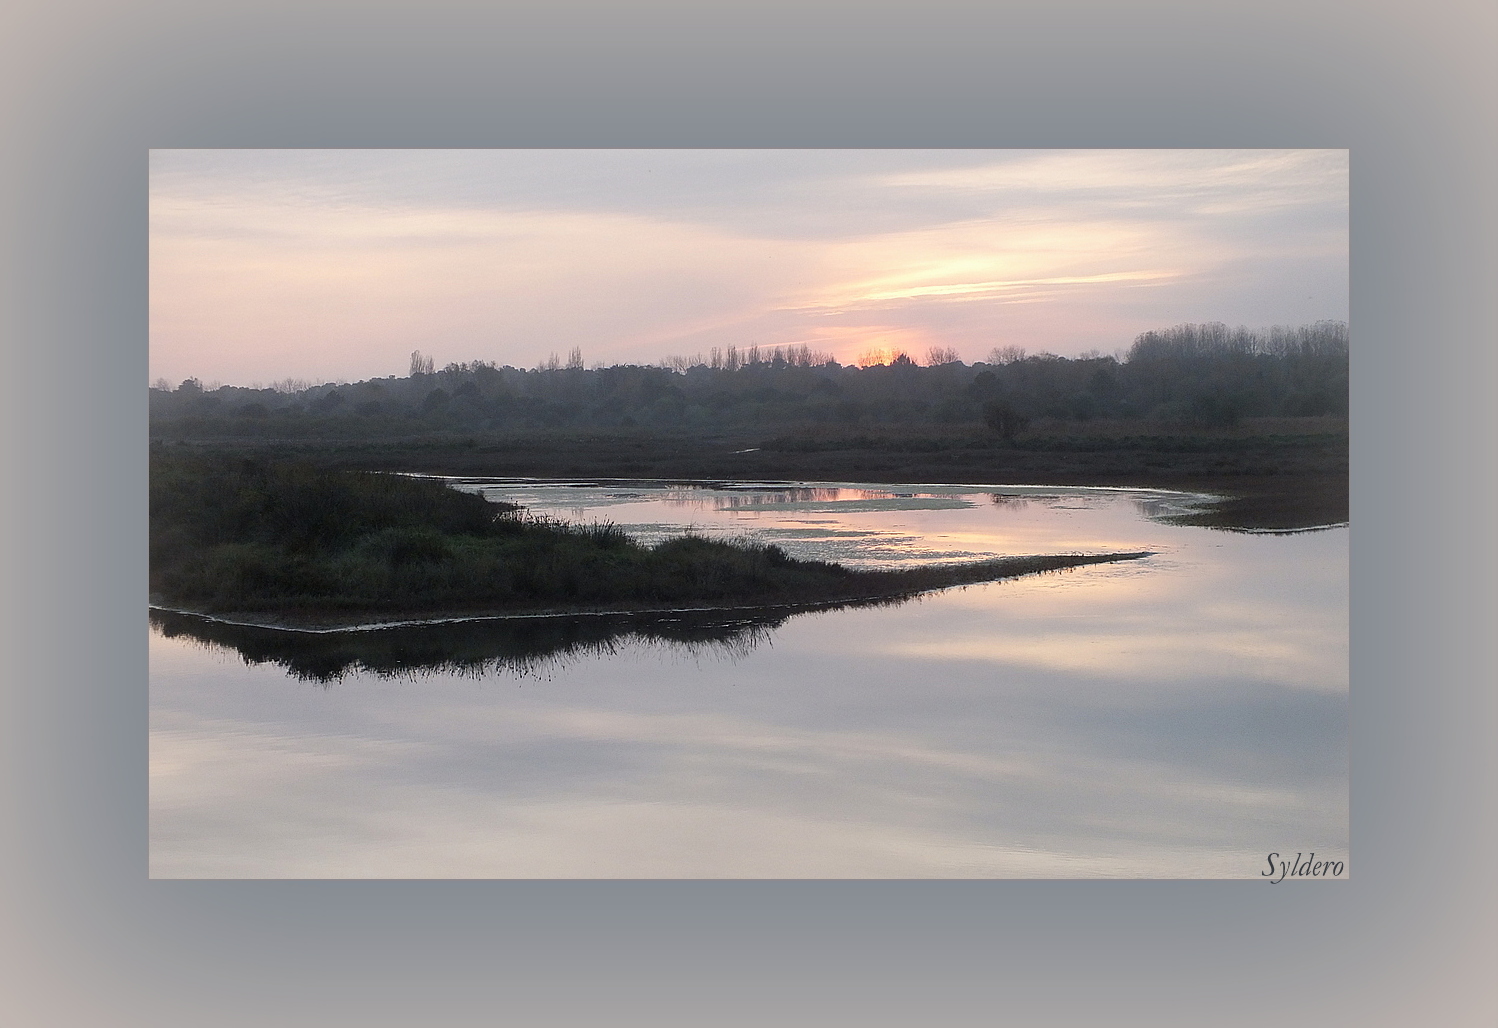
265	264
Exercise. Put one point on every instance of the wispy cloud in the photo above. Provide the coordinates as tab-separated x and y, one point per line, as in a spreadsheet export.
324	264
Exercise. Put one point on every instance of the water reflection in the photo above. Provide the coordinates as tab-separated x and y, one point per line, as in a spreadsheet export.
1306	507
730	501
1176	717
525	645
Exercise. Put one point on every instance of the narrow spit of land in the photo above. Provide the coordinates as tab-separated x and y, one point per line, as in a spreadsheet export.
293	545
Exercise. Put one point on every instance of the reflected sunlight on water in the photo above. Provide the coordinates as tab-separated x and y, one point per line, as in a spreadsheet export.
1179	716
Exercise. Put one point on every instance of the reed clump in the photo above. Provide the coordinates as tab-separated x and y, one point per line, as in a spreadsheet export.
243	534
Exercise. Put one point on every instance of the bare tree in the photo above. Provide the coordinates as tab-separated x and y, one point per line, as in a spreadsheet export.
1006	355
421	365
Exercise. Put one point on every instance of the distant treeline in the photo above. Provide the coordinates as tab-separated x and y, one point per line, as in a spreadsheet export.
1208	376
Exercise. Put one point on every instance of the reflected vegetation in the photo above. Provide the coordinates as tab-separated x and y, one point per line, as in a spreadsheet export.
1291	506
1155	718
756	500
532	646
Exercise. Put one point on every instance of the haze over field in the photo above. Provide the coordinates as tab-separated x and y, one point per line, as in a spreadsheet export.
335	265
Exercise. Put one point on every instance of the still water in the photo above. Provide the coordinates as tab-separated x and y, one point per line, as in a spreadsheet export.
1180	716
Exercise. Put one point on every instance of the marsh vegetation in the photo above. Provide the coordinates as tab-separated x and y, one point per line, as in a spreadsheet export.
299	542
1257	416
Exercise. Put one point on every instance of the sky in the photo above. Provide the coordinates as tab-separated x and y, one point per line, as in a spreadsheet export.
334	265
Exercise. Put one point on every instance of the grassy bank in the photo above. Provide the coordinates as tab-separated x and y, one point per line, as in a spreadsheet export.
1279	473
289	539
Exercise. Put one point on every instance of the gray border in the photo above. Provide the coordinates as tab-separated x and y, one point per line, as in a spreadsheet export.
1410	939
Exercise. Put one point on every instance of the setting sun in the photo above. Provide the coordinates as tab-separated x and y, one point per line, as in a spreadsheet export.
334	265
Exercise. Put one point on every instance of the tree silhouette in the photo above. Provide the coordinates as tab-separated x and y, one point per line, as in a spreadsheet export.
1004	420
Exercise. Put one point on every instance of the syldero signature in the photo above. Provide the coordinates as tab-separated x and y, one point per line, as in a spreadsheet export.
1310	867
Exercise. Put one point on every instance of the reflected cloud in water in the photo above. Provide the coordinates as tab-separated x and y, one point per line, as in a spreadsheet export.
1178	716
